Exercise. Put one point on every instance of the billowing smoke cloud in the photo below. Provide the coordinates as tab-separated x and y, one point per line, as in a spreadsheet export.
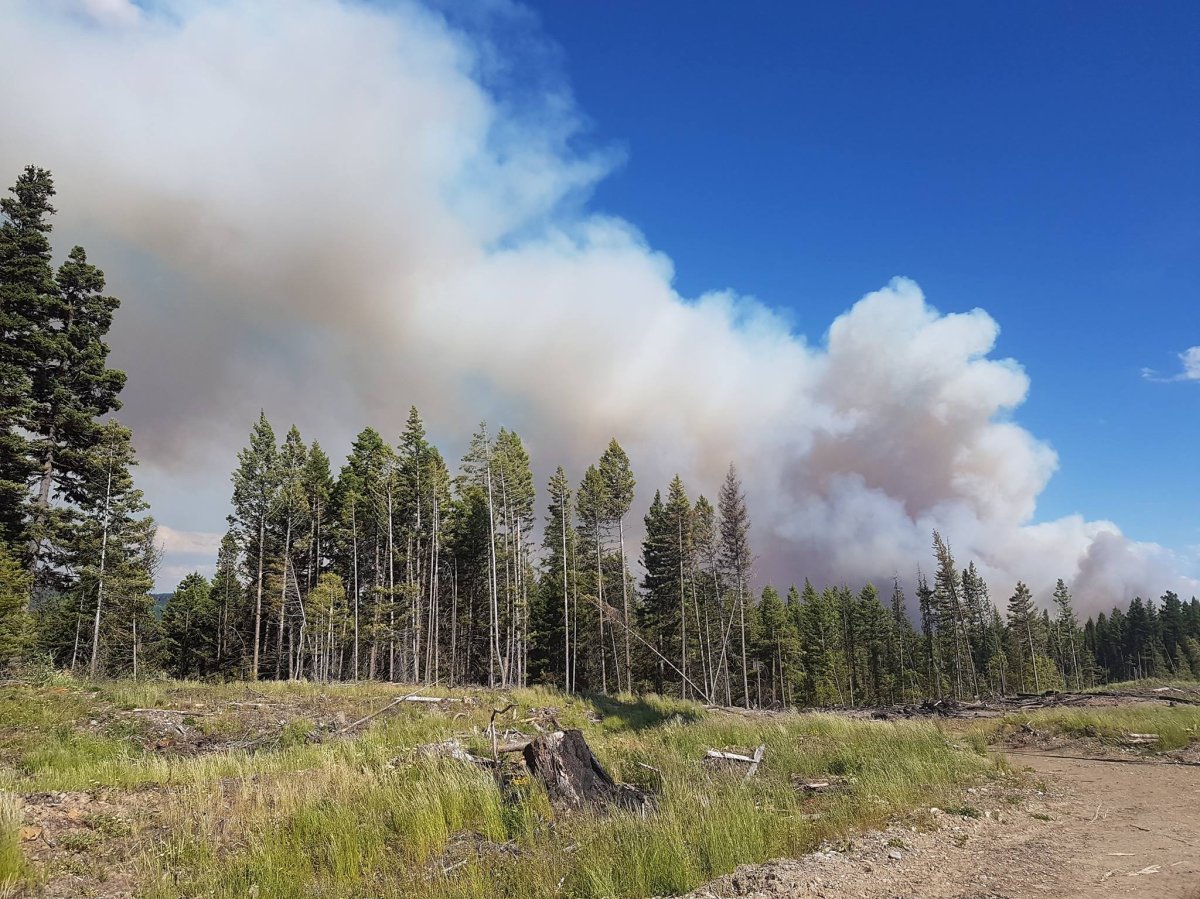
329	210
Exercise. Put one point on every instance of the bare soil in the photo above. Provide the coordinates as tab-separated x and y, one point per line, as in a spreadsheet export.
1079	825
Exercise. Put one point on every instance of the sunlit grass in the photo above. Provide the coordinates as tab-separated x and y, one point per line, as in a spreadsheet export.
361	815
1176	726
1147	685
12	863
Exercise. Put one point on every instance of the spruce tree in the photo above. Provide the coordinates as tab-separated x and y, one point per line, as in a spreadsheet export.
72	387
592	503
951	622
287	520
115	554
776	642
190	628
667	558
1023	623
515	491
228	599
619	485
977	608
736	557
558	543
1066	628
255	485
317	485
678	526
14	602
28	295
707	600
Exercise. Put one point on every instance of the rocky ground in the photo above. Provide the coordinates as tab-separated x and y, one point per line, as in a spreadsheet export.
1085	821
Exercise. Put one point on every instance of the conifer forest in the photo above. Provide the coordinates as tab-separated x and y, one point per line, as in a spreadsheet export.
397	564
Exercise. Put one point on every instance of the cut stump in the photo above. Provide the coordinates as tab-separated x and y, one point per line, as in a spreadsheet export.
563	762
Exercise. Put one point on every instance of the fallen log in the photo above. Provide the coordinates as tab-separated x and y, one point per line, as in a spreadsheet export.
573	777
1140	739
728	756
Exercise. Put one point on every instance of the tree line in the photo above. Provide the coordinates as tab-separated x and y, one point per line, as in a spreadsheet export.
397	567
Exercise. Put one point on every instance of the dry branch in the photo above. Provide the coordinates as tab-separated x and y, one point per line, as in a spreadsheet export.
377	712
729	756
758	757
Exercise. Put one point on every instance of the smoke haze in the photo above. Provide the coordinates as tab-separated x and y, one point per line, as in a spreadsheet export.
327	210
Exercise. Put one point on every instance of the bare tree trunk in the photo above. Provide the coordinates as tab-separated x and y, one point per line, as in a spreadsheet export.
574	660
562	500
683	657
78	632
495	657
41	512
1033	656
625	604
287	549
354	553
742	616
391	557
454	625
703	634
431	628
258	590
100	578
600	599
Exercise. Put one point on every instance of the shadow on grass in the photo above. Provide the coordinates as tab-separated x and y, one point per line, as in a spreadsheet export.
643	712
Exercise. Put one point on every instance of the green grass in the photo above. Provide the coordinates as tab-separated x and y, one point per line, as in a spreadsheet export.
364	816
1146	685
12	863
1176	726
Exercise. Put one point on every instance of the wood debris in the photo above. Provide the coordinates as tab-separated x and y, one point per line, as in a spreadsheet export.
573	777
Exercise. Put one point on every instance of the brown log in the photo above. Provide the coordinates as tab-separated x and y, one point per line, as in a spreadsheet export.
574	778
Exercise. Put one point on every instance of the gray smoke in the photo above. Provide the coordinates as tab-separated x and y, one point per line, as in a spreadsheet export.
319	208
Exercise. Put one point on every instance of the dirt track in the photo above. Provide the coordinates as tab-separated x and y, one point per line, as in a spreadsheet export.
1134	829
1100	828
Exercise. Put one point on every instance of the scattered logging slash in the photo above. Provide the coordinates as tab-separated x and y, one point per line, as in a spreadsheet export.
752	760
447	749
1141	739
728	756
573	777
817	786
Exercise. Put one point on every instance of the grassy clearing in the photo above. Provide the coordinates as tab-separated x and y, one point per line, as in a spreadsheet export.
1176	726
1146	685
364	817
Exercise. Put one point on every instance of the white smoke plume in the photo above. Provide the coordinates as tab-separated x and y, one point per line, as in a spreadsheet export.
334	210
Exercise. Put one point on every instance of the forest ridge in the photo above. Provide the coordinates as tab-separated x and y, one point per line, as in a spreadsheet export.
396	568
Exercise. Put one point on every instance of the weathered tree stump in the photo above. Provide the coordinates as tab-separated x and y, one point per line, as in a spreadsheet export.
573	777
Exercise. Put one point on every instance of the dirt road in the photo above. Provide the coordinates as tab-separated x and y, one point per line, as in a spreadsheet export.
1134	827
1089	828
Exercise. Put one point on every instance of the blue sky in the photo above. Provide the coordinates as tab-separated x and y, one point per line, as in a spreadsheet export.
412	193
1037	160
